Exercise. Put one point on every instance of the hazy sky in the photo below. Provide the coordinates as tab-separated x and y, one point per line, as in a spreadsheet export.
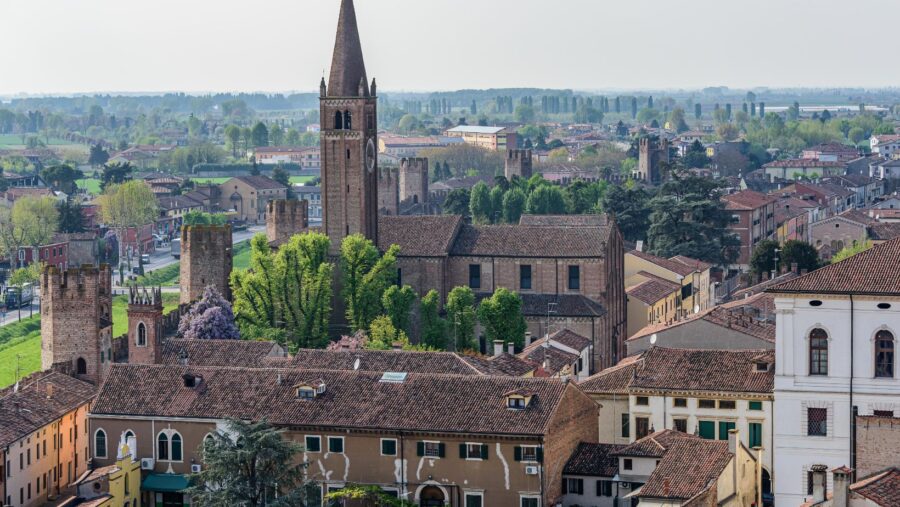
283	45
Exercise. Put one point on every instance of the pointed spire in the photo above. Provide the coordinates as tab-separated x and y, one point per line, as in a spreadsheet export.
347	65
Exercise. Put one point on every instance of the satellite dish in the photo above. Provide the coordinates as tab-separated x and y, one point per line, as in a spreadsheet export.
696	308
356	364
653	339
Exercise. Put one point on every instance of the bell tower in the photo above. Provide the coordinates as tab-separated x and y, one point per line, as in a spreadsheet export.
348	138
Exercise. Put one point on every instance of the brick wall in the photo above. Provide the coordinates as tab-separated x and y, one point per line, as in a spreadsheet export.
285	219
414	180
388	191
575	421
877	444
205	260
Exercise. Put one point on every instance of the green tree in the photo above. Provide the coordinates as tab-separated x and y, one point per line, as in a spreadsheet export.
382	335
546	200
458	202
513	205
524	113
204	218
71	218
280	175
408	124
98	155
372	496
480	203
801	253
259	135
695	156
286	296
398	303
461	317
276	136
433	327
130	204
251	464
502	319
647	115
856	135
850	251
764	257
115	174
37	218
62	177
631	209
677	121
366	276
233	136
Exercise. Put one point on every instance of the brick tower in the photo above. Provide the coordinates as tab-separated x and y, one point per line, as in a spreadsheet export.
76	323
518	163
651	154
145	312
348	139
414	180
205	260
388	191
286	218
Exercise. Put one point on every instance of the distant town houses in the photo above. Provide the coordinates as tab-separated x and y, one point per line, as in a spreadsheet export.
491	138
805	168
752	220
406	147
886	145
305	157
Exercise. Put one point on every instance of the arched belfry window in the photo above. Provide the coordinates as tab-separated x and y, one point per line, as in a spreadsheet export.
338	121
141	335
348	123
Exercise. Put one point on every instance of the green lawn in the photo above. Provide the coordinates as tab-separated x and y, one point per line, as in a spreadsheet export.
241	256
92	185
15	141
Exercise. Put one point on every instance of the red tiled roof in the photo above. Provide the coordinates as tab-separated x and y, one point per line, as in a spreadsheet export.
695	264
875	271
261	182
244	353
674	266
614	379
571	339
747	200
652	289
40	399
804	162
352	399
689	466
882	488
383	360
593	460
419	236
556	359
598	220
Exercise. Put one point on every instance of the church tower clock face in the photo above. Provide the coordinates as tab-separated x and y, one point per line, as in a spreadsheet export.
371	155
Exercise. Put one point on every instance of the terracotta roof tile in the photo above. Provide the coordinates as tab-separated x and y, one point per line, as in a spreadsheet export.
571	339
688	467
882	488
352	399
556	359
853	275
419	236
747	200
383	360
676	267
593	460
28	408
244	353
803	162
652	289
261	182
599	220
615	379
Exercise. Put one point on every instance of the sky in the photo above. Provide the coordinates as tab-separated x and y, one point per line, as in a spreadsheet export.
78	46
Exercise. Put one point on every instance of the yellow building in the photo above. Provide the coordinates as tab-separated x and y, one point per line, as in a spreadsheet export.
691	274
117	485
652	300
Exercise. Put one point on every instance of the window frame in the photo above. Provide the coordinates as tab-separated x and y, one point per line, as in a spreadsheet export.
576	278
626	425
524	497
381	447
676	421
105	444
823	424
336	439
750	435
437	449
527	459
818	353
317	438
755	405
469	446
642	401
638	421
679	402
473	494
881	337
627	464
526	274
474	275
602	486
160	437
702	401
141	332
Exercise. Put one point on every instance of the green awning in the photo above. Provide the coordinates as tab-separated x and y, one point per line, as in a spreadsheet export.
166	483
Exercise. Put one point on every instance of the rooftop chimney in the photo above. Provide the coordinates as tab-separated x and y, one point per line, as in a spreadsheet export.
528	338
818	477
841	487
732	441
498	347
511	348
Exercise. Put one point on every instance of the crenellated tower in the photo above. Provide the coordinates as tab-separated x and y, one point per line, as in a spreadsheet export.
388	190
518	163
145	313
286	218
414	180
205	260
76	320
348	117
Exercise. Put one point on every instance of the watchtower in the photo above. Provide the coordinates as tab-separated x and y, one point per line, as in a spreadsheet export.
651	154
145	312
518	163
76	320
414	180
285	218
388	191
206	252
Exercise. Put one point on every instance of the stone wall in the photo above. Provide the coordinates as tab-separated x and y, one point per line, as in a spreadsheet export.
518	163
414	180
877	444
388	191
205	260
286	218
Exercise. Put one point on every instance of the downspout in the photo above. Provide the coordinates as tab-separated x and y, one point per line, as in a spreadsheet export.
403	488
5	482
852	408
541	468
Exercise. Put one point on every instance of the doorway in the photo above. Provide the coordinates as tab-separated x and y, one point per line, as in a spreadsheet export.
431	497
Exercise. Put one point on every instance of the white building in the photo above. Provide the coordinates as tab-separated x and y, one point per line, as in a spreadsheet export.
887	146
835	354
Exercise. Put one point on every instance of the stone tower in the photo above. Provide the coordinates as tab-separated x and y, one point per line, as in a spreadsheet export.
348	139
518	163
145	313
286	218
651	154
205	260
414	180
76	320
388	191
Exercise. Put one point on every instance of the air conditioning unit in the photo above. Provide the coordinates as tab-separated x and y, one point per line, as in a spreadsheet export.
625	485
531	470
195	469
147	463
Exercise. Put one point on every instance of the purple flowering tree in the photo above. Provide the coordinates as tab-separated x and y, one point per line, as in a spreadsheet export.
210	318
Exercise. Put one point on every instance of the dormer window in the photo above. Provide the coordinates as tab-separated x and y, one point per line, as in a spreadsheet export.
310	390
516	402
518	399
762	366
191	380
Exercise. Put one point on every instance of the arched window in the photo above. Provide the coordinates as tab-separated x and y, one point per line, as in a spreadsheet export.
818	352
141	335
129	434
347	120
176	447
81	366
127	488
884	354
162	447
338	121
100	444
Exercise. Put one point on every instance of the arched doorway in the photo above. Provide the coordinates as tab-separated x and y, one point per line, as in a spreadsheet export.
766	482
431	496
81	366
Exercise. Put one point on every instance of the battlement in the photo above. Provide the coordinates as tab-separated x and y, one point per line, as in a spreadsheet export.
200	234
285	219
54	280
286	207
518	163
388	174
417	163
522	154
143	296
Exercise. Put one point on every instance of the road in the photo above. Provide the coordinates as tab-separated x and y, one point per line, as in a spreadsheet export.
160	259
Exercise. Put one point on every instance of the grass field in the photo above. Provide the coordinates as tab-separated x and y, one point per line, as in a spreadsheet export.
92	185
23	339
15	141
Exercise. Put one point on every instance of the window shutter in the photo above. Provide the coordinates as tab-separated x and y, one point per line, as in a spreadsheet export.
565	486
442	450
462	451
540	454
420	448
517	453
484	451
